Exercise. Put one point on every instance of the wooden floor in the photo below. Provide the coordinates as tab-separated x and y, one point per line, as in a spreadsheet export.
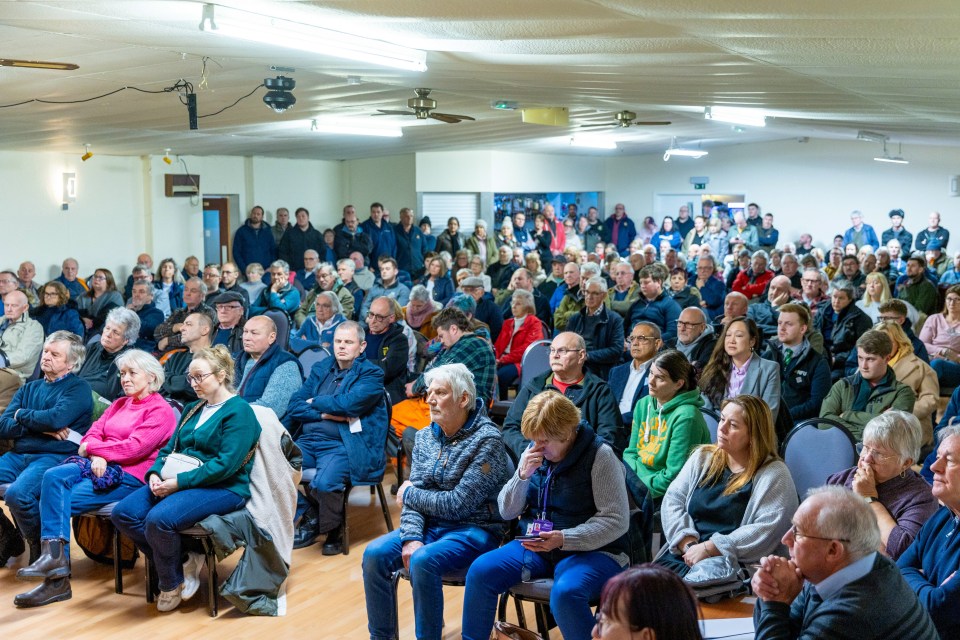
325	599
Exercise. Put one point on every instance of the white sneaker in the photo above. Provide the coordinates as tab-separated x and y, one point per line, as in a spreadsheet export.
191	574
169	600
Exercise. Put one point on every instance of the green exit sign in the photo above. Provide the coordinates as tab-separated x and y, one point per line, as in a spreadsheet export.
700	185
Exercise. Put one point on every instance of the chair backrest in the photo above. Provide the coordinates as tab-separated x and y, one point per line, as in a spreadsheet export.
310	357
283	327
712	418
815	449
536	360
177	407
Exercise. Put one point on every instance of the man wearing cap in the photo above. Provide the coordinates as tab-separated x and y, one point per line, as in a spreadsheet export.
860	233
487	310
549	286
936	260
933	230
231	315
896	231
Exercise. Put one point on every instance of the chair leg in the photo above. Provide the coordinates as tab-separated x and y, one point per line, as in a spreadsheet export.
211	576
502	607
117	569
521	616
543	622
383	505
395	578
344	524
148	577
400	457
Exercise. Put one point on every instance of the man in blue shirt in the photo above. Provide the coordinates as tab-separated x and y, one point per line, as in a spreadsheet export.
860	233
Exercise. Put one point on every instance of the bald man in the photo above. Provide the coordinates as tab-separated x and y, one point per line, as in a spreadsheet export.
21	339
265	374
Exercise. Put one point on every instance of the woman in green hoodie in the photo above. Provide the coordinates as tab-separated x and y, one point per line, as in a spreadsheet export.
667	424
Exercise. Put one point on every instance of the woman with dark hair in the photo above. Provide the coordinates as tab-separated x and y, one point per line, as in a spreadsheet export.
667	424
170	281
941	336
667	233
54	314
650	601
95	304
437	281
735	368
543	238
682	293
450	239
733	499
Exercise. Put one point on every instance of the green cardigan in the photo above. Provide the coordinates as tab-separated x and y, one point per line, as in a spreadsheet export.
222	442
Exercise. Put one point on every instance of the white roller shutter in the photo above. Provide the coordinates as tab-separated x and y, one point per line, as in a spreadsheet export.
440	206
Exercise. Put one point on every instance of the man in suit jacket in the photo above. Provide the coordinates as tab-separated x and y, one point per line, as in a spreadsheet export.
835	583
628	381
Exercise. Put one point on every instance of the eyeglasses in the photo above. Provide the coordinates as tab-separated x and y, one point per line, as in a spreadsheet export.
800	536
197	379
889	319
563	352
231	307
636	339
863	451
684	325
50	293
378	317
99	277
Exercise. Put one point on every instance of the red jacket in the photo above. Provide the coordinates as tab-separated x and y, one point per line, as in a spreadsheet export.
530	331
750	285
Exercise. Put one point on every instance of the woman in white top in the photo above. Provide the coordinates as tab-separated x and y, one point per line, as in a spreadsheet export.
876	293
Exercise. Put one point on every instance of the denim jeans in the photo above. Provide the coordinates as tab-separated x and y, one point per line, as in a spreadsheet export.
506	376
948	373
329	458
65	493
446	550
153	523
24	472
577	580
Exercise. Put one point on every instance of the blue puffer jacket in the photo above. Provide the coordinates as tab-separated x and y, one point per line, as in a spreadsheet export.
63	317
360	395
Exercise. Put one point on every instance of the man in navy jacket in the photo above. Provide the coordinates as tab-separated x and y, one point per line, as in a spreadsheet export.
253	242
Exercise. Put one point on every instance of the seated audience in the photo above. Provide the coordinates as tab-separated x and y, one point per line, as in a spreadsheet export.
229	283
58	403
855	400
835	583
624	291
683	294
941	337
228	329
883	476
916	374
735	368
339	390
654	304
220	430
168	333
522	279
318	328
591	395
487	310
695	337
26	273
159	297
571	281
100	365
170	281
840	323
211	278
54	314
280	295
150	316
601	329
667	424
386	286
420	311
265	374
587	511
191	268
851	275
519	332
502	269
916	288
813	290
648	601
753	281
21	340
254	284
930	564
709	285
448	513
307	276
327	279
571	300
878	292
68	278
113	456
952	276
387	347
896	311
735	306
766	311
96	303
437	281
628	381
733	499
195	335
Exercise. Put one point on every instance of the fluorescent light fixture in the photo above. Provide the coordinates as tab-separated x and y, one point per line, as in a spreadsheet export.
736	115
305	37
674	150
872	136
886	157
339	128
592	143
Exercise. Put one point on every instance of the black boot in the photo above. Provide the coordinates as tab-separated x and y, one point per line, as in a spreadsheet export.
47	592
307	531
34	550
11	542
333	546
52	563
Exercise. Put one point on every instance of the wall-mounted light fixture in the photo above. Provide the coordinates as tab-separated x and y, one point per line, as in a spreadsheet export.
69	192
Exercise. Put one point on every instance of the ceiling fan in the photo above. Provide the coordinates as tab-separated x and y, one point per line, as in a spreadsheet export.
37	64
626	119
423	107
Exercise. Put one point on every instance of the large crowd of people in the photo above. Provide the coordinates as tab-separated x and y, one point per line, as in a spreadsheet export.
650	325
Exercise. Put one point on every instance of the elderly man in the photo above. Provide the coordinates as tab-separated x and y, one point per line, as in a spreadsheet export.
933	230
297	239
68	278
349	236
597	404
873	389
266	375
695	337
840	322
161	298
813	290
601	329
625	291
568	297
25	274
327	280
860	233
655	305
120	332
281	225
343	415
628	381
168	333
21	338
145	261
790	267
929	565
307	277
280	295
387	347
937	260
487	310
501	271
228	330
521	279
448	511
362	275
196	335
742	235
346	269
411	248
150	316
386	286
850	272
620	229
735	306
835	584
753	282
42	420
765	312
253	242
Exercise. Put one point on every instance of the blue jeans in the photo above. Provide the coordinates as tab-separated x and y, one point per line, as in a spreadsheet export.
153	523
506	376
947	372
577	580
446	550
329	458
24	472
65	493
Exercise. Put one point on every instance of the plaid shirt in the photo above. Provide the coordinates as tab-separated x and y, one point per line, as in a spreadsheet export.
474	352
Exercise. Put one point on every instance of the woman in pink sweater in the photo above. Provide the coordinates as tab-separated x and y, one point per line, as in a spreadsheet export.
112	458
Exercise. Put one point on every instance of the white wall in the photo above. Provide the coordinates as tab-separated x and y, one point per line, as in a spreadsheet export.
390	181
498	171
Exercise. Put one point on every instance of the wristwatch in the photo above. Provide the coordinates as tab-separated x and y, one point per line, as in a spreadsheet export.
687	546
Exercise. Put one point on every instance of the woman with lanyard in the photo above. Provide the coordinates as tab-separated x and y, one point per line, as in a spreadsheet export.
570	494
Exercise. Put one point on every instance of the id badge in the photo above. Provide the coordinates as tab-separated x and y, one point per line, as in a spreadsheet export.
539	526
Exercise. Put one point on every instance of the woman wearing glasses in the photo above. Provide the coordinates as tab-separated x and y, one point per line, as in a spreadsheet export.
900	499
220	431
571	498
941	336
53	313
95	304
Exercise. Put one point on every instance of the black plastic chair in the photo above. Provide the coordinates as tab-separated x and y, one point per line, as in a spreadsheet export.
817	448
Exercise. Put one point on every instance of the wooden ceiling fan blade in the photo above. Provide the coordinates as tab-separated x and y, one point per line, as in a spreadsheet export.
38	64
453	115
596	126
443	117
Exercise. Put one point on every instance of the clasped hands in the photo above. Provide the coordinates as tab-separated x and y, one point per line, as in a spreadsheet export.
162	488
777	580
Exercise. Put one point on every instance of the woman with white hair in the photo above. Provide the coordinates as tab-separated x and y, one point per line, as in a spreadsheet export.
319	328
120	331
482	243
113	457
900	499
